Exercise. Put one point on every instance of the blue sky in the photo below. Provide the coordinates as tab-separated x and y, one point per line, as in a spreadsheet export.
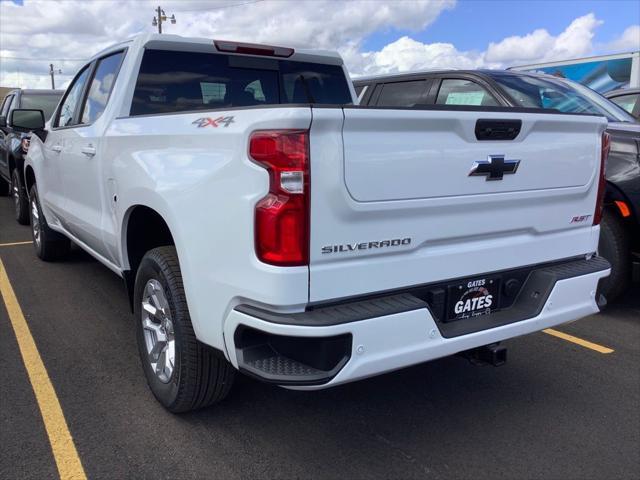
473	24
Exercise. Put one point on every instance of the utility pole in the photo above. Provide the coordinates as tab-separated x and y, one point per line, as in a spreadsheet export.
52	72
161	17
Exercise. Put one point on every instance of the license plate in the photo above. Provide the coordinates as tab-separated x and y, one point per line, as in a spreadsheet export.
473	298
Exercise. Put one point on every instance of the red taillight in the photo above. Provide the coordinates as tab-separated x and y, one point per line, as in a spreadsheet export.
282	216
602	183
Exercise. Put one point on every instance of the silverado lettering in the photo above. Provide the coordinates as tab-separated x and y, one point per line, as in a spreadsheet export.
350	247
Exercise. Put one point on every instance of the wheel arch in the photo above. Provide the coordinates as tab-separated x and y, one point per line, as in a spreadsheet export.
143	228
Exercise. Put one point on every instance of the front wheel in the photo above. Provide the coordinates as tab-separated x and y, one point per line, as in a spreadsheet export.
49	245
20	200
182	373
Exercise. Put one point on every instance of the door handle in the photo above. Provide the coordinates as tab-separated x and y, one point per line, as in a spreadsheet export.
57	148
89	150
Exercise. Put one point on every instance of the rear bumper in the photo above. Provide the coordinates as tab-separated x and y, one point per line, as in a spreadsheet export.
392	336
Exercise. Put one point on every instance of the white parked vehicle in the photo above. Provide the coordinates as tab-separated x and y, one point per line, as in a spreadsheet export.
264	223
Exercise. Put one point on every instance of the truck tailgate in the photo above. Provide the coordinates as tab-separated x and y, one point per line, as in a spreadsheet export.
394	204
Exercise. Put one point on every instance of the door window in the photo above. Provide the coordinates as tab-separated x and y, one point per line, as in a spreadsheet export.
101	87
66	115
402	94
464	92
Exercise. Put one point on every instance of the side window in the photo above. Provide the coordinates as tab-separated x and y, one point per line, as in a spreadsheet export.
71	99
464	92
5	106
402	94
101	86
628	102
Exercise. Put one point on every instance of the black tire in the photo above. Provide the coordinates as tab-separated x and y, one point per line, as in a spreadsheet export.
50	245
614	246
200	375
20	199
4	187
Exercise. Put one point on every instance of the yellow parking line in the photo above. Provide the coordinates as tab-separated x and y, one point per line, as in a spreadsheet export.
64	450
15	243
578	341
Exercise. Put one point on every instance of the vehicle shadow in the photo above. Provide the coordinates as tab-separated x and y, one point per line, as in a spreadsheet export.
393	424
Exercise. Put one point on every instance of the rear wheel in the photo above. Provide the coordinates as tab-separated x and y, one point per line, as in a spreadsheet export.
614	246
182	373
20	200
49	245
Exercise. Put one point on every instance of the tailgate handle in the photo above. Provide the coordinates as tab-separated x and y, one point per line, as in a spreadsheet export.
492	129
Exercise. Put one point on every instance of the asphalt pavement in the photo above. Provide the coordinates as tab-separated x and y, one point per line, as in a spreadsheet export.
556	410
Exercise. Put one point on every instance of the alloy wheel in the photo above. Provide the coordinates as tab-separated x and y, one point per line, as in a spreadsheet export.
157	326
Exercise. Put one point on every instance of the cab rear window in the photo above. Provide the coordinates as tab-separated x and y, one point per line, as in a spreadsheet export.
172	81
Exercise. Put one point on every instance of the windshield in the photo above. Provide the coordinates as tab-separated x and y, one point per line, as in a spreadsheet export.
563	95
45	102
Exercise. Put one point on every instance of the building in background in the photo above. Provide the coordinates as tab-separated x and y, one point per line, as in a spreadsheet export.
602	74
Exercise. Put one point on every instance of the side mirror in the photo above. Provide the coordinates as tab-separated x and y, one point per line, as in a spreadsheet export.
3	121
23	120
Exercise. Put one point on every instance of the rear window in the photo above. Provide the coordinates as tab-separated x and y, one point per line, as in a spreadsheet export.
171	81
45	102
464	92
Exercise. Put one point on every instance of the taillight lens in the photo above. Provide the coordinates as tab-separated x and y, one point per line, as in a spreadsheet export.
282	216
602	182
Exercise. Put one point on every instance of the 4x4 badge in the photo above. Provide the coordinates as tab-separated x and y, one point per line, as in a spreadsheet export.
494	168
213	122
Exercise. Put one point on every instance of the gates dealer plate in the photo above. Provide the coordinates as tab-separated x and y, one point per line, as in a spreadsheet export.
473	298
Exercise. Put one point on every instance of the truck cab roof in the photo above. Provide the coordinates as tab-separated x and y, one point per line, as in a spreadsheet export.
179	42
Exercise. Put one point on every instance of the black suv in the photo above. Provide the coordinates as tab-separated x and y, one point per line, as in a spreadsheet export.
620	226
13	145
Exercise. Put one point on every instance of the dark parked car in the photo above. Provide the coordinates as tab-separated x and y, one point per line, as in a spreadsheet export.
13	145
620	226
627	98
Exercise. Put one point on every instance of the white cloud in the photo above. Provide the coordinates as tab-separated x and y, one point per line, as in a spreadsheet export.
78	29
540	46
407	54
627	42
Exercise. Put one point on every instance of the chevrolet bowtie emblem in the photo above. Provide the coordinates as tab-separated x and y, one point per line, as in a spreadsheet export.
494	168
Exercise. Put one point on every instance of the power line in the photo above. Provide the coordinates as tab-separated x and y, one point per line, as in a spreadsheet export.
31	59
222	7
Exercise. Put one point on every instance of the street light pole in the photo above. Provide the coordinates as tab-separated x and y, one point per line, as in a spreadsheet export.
52	72
161	17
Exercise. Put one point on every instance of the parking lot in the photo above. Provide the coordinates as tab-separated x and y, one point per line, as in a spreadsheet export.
560	408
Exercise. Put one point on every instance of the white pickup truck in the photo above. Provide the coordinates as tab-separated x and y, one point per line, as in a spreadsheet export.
265	223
